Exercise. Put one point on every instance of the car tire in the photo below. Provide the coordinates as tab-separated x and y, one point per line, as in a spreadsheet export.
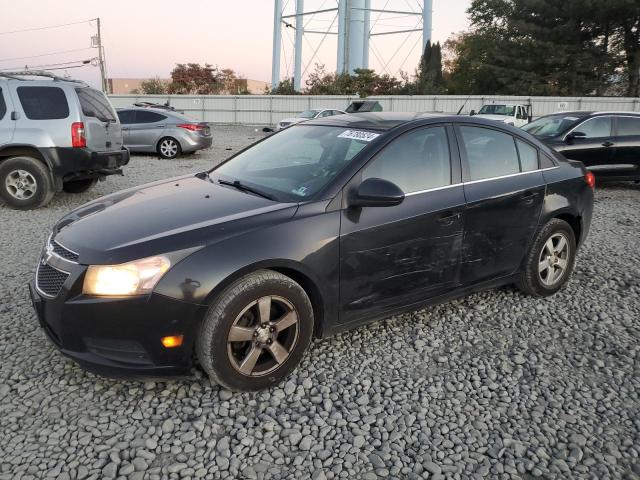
255	332
79	186
168	148
25	183
550	261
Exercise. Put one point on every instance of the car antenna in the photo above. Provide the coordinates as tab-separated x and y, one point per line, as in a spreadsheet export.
465	102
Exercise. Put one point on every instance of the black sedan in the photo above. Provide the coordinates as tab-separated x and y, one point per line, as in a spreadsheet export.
319	228
608	143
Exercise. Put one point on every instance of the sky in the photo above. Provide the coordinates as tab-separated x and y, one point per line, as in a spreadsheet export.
145	38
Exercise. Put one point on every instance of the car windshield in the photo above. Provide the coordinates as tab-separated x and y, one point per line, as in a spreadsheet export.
308	114
294	164
551	126
508	110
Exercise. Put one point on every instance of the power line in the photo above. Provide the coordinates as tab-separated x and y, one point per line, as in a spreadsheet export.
47	27
45	54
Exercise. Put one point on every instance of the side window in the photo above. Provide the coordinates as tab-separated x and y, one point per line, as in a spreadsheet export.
546	162
595	127
489	153
326	113
418	160
43	103
522	113
528	156
628	126
148	117
3	106
127	116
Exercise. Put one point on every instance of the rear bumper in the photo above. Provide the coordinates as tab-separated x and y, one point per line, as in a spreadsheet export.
77	163
119	337
193	142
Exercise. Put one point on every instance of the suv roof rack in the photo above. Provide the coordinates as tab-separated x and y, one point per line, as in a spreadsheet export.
38	73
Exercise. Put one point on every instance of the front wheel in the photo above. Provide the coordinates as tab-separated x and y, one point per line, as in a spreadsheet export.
169	148
550	261
256	332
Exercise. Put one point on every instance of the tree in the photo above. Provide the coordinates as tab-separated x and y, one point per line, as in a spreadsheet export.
429	73
194	79
285	87
153	86
533	47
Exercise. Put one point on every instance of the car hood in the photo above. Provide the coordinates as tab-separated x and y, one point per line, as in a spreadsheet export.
162	217
497	118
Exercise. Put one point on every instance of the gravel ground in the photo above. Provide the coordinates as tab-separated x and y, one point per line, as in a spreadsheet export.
496	385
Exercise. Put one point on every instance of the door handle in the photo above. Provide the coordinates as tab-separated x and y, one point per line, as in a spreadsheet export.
608	144
447	218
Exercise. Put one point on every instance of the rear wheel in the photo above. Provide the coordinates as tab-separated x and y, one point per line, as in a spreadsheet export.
550	261
256	332
25	183
169	147
79	186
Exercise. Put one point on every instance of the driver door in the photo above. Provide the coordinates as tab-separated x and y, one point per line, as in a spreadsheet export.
392	257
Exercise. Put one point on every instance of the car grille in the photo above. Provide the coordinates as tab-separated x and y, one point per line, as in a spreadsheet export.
63	252
49	280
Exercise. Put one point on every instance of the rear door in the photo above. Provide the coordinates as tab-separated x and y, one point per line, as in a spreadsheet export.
504	191
6	124
391	257
627	155
147	130
103	130
597	148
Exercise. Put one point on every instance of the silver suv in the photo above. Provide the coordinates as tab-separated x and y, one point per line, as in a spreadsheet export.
55	134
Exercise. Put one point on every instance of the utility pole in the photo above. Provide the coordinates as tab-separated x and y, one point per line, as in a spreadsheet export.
103	73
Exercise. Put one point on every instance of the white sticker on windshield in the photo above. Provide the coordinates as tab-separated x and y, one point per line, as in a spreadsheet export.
572	119
359	135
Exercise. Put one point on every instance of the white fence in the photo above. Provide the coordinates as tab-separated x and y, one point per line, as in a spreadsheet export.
269	109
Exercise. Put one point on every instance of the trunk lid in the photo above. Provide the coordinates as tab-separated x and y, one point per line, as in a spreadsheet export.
102	127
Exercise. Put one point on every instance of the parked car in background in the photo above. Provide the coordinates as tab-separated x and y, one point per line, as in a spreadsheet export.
167	133
308	115
608	143
516	114
316	229
161	106
55	134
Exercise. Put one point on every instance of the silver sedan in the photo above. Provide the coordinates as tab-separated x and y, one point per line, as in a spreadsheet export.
167	133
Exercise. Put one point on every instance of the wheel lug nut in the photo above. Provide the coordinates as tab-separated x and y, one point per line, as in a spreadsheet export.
264	325
272	329
269	342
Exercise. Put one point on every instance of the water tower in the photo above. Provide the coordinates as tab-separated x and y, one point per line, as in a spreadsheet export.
354	31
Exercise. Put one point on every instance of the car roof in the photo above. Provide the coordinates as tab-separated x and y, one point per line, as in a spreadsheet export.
387	120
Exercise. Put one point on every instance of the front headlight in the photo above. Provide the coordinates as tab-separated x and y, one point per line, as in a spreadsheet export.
133	278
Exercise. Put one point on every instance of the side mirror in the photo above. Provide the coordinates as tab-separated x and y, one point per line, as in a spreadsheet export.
472	113
574	135
376	192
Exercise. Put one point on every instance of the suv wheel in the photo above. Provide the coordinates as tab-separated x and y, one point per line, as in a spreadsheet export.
550	261
25	183
256	331
79	186
169	148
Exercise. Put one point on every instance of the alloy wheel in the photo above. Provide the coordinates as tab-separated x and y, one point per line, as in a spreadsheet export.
263	336
169	148
554	259
21	184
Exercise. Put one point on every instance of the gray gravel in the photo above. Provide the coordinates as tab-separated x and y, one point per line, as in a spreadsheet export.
496	385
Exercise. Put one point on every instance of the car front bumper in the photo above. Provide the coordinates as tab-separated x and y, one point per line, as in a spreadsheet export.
118	337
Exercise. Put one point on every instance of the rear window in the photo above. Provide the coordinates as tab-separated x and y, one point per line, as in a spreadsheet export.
3	106
95	104
627	126
43	103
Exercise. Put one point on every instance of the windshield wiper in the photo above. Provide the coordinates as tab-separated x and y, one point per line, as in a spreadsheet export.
245	188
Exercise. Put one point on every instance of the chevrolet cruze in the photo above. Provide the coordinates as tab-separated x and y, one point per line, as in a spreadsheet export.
319	228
